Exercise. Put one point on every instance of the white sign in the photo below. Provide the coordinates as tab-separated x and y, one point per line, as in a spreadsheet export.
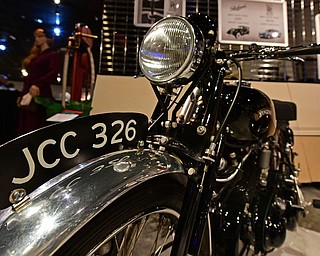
253	21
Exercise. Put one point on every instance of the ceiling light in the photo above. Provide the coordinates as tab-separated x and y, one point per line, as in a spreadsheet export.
2	47
57	31
24	72
56	1
38	20
57	18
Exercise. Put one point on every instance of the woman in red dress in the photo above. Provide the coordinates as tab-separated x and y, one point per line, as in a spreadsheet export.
42	65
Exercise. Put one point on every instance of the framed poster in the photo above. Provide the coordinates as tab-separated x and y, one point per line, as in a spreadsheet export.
253	21
147	12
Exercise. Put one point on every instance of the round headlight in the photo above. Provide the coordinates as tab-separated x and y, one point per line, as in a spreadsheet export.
170	51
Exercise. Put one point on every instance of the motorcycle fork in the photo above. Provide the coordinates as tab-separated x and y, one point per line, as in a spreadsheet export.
200	188
194	213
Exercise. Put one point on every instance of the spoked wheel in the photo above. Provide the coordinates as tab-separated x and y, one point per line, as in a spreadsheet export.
139	223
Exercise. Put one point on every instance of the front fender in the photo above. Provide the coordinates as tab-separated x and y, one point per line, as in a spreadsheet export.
60	207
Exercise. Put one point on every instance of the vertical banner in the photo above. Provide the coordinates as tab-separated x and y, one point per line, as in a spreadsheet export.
147	12
253	21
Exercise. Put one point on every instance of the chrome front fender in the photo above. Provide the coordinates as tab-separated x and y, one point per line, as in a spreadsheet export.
60	207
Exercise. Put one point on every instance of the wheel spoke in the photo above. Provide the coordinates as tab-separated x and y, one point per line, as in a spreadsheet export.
165	242
131	237
149	235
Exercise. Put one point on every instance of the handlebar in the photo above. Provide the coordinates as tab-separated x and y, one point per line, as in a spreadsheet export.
256	52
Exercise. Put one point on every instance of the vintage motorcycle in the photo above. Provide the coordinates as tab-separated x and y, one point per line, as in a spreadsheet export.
211	173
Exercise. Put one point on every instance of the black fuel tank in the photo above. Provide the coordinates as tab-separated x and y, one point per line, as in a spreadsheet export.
253	115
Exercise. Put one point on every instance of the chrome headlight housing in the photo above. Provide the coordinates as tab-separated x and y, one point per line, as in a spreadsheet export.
171	51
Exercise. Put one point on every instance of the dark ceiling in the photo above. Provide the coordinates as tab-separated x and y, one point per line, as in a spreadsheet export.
18	21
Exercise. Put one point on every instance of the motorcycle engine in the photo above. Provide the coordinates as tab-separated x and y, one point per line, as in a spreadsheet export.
274	225
266	225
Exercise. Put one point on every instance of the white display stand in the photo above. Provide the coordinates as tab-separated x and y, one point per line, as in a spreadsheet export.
123	94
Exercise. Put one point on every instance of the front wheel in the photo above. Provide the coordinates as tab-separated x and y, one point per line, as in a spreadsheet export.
141	222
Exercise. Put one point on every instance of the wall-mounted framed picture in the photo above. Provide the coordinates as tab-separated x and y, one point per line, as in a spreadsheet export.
147	12
261	22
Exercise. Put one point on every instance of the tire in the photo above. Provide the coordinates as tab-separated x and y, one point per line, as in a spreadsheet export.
151	210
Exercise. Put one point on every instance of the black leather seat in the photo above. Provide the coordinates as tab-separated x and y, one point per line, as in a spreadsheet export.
285	110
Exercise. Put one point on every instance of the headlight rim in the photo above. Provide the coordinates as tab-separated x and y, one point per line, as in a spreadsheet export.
186	70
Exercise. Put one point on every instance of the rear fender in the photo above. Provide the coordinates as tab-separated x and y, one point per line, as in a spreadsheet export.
60	207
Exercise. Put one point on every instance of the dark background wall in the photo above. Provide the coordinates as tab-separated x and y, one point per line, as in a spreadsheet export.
121	39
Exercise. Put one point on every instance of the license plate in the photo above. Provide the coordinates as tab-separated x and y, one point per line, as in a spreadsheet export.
32	159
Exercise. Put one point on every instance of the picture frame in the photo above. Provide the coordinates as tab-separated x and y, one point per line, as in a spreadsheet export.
147	12
261	22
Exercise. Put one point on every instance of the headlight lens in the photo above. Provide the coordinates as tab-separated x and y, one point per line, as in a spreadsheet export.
170	51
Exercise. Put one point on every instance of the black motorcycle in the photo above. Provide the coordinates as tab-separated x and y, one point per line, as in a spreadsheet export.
211	173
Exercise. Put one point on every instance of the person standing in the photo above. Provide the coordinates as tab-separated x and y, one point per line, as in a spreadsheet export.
42	65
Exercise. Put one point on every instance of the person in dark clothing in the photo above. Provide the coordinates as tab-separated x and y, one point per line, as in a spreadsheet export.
42	65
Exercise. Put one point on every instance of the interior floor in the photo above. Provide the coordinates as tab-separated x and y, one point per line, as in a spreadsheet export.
305	241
